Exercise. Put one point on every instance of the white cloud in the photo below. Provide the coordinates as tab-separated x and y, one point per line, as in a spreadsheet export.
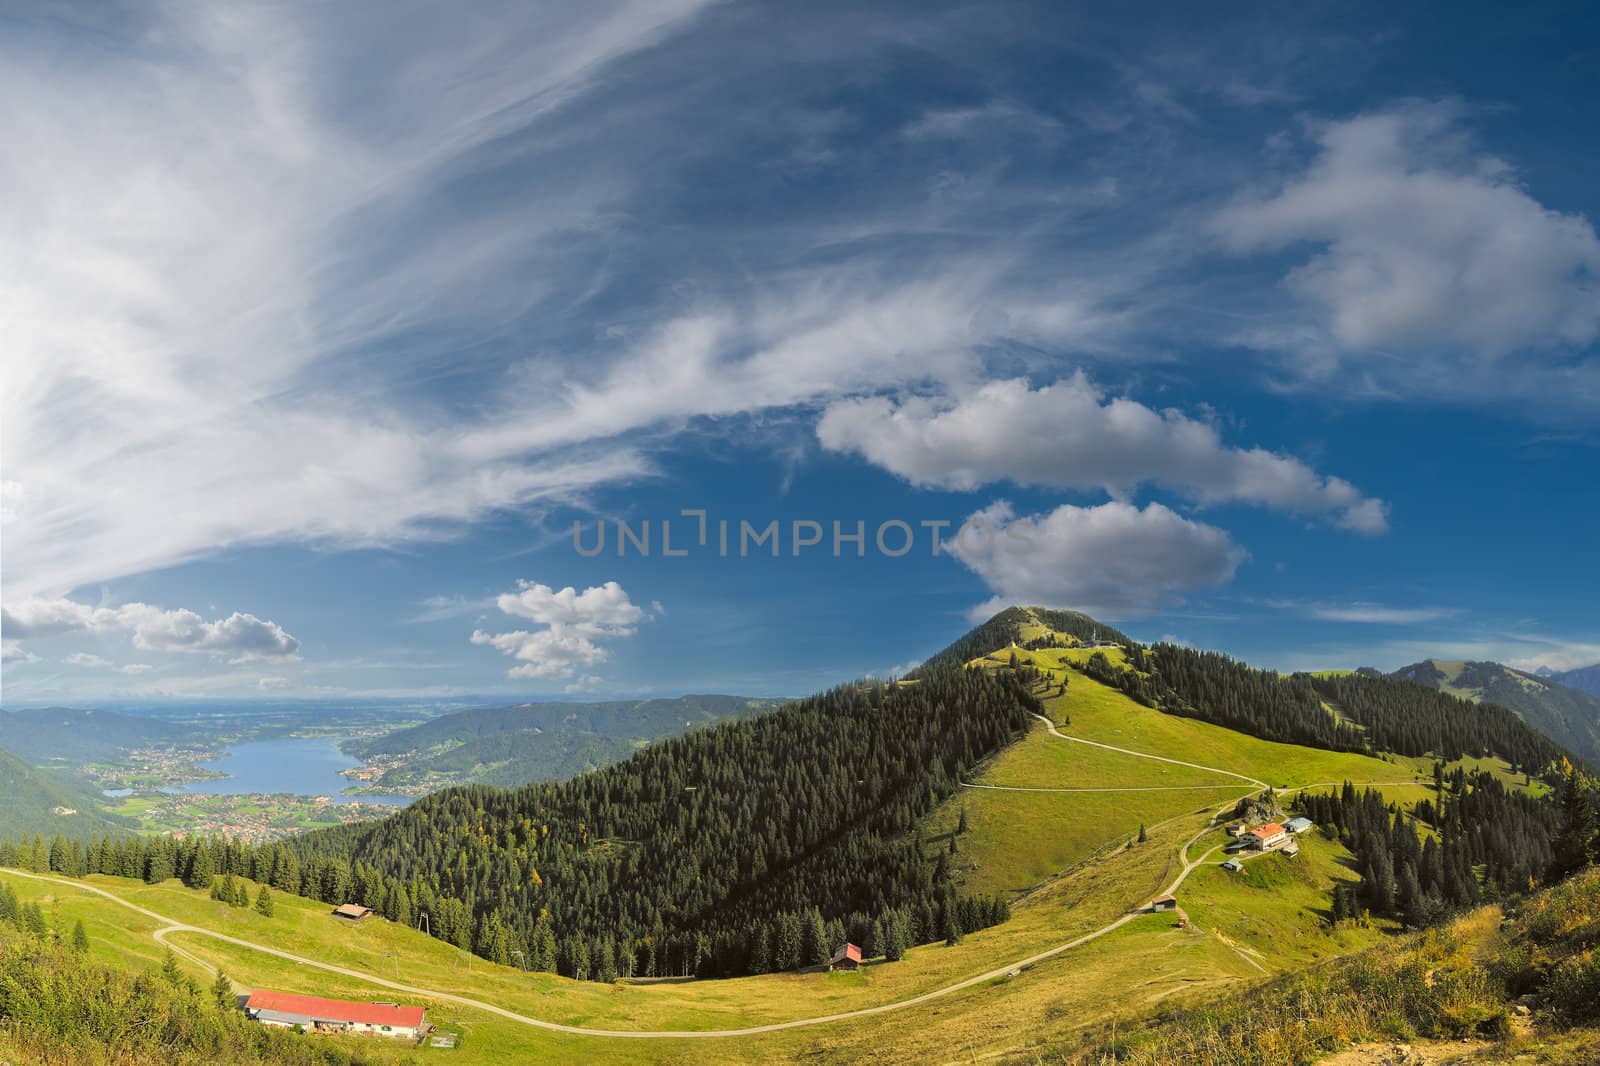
11	652
268	684
82	658
1114	559
598	610
1070	435
271	223
574	624
441	608
1424	245
1375	613
243	637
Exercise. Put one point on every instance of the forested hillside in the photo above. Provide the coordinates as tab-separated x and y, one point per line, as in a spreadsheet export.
683	855
1568	716
34	801
749	846
511	746
71	736
621	719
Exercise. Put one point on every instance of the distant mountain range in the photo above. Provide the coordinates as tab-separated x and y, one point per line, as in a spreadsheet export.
70	737
525	742
1567	715
1584	678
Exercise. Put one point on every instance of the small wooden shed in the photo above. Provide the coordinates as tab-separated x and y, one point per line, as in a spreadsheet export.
848	957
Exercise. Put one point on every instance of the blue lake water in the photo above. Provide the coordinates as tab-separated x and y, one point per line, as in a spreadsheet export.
304	767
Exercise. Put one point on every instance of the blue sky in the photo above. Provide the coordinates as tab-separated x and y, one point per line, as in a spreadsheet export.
1271	331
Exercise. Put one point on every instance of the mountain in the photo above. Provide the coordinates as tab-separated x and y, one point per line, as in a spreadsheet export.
1585	678
1566	715
70	736
1016	624
35	801
525	742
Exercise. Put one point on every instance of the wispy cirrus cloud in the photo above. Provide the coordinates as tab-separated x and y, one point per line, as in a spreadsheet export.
1370	613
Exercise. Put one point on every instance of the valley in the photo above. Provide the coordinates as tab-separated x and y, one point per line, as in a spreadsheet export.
1051	822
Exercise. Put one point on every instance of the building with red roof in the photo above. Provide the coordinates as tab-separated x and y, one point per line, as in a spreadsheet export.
314	1014
1268	836
848	957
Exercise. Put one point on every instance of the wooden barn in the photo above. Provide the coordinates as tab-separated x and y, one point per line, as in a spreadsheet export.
355	912
848	957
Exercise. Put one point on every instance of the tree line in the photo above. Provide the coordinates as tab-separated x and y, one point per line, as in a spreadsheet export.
1478	841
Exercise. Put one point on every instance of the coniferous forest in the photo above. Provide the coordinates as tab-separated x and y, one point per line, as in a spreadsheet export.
746	847
762	844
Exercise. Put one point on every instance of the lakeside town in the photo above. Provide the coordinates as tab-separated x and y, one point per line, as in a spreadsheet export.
252	817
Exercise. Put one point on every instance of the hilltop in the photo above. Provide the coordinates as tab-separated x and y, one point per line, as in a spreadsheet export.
1566	715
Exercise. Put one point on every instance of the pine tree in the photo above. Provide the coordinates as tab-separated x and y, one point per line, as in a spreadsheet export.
80	937
222	991
1143	836
169	969
264	904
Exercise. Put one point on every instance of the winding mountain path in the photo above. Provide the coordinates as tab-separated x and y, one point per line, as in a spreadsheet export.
169	927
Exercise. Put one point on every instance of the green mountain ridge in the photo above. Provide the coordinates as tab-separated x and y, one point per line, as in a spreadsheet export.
1584	679
72	736
35	801
513	745
1566	715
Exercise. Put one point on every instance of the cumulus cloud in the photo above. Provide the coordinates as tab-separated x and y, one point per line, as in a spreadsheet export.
240	637
1114	559
597	610
574	624
1423	245
1071	435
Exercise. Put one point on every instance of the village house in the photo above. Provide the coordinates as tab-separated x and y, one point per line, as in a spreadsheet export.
1291	849
353	911
1164	903
1268	836
1298	825
312	1014
1235	830
1233	866
848	957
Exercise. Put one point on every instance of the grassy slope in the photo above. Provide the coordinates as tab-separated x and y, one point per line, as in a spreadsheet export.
1266	919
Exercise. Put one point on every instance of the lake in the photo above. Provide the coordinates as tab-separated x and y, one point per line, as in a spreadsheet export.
299	765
